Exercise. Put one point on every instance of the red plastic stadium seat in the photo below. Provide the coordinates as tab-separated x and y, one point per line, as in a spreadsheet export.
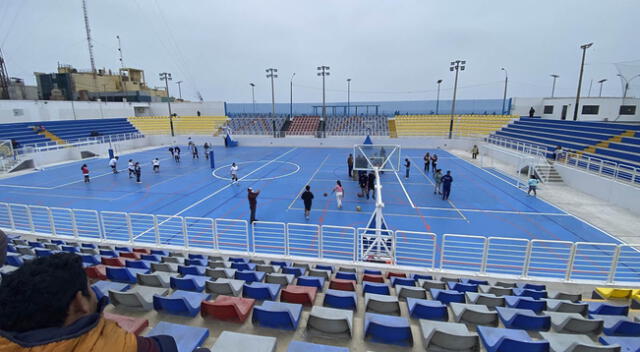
98	272
119	262
342	285
373	278
130	255
142	250
298	294
130	324
228	308
390	274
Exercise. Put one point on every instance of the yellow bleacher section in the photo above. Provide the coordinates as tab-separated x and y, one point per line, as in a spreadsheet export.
209	125
438	125
616	293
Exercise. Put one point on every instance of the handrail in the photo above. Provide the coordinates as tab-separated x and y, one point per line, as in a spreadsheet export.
603	263
47	146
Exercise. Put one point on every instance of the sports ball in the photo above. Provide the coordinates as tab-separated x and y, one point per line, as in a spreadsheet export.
325	194
358	208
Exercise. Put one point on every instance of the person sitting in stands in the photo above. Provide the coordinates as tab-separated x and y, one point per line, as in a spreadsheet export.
48	305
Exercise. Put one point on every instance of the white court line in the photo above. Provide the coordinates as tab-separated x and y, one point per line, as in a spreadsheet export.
308	182
514	212
385	214
387	182
405	190
218	191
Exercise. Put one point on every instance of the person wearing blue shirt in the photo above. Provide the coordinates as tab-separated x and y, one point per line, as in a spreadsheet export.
533	185
446	185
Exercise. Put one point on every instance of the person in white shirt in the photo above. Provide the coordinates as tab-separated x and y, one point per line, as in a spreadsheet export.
131	169
113	163
234	173
156	165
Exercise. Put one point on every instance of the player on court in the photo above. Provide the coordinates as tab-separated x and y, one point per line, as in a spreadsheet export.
156	165
206	150
114	165
138	171
177	154
85	173
131	168
339	191
234	174
194	152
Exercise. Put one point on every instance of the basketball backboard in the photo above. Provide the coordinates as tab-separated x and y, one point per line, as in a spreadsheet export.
371	156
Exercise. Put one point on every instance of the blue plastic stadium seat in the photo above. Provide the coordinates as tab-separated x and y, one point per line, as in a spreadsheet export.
187	338
260	291
279	263
447	296
43	252
377	288
11	248
13	259
417	277
250	276
474	282
427	309
628	344
196	256
509	340
340	299
90	259
293	270
151	258
616	325
70	249
191	270
196	262
138	264
238	260
123	274
323	267
525	303
108	253
312	281
525	292
101	288
602	308
526	319
372	272
346	276
460	287
123	249
300	346
243	266
180	303
160	252
36	244
387	329
402	281
58	242
194	283
277	315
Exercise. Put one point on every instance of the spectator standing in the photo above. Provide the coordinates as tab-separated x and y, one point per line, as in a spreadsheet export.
114	164
363	181
138	171
48	305
85	173
438	182
206	150
307	198
446	185
434	163
350	164
532	111
407	165
371	186
339	191
130	168
172	152
253	202
533	185
474	151
427	161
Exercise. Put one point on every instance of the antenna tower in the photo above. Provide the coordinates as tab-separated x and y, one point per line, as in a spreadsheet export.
86	26
4	79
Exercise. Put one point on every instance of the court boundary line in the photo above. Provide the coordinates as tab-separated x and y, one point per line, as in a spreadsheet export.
386	214
308	182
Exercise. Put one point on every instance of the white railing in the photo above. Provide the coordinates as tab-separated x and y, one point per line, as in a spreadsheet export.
47	146
515	144
561	261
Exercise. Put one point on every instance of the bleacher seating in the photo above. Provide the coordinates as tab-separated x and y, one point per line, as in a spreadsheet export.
185	125
438	125
346	315
304	126
255	125
615	142
357	126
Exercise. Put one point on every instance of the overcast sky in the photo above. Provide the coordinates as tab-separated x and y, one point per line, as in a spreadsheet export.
391	49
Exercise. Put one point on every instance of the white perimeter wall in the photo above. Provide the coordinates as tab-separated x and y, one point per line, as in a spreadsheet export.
609	108
12	111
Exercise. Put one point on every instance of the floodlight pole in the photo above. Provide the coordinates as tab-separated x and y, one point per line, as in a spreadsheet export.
601	82
438	96
166	77
504	96
253	97
584	53
323	72
457	66
553	87
291	96
348	96
272	74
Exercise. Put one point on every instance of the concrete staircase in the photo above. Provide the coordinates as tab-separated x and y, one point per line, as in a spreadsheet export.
547	173
52	137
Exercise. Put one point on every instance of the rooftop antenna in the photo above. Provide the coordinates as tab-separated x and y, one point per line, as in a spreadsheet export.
4	79
86	26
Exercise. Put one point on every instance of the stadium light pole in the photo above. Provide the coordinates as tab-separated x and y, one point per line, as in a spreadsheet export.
271	73
553	87
584	53
457	66
506	81
253	97
601	82
348	96
166	77
438	96
323	72
291	96
179	89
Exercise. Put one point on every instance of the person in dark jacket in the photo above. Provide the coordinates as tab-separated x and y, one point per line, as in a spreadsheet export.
253	202
407	165
371	185
363	180
138	171
446	185
307	198
4	241
48	305
350	164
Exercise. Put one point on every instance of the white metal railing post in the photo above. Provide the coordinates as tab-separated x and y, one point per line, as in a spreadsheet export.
74	224
527	261
30	219
614	265
253	238
320	244
11	219
103	232
485	254
129	227
286	240
184	231
213	234
442	248
572	258
156	230
51	223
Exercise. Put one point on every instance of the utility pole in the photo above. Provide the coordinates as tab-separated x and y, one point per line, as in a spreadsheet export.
324	71
348	96
291	96
457	66
88	30
584	53
504	96
253	97
4	79
166	77
438	96
123	82
553	87
179	89
272	74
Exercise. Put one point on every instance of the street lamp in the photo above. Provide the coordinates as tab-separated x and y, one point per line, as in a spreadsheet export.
166	77
272	74
348	96
323	72
253	97
438	96
457	66
179	89
601	82
553	88
504	96
291	96
584	53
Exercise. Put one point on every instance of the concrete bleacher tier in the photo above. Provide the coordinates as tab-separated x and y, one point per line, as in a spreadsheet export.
341	308
438	125
255	125
66	131
207	125
304	126
357	126
615	142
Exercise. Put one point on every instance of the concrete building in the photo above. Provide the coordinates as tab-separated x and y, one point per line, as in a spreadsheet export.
612	109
